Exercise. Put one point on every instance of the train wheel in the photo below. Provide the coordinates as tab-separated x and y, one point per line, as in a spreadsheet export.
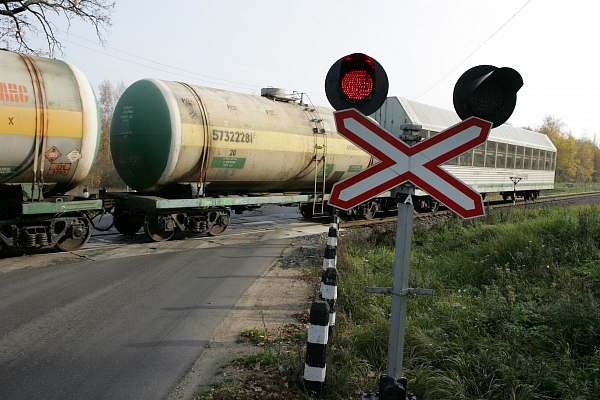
154	231
127	224
77	233
306	210
219	226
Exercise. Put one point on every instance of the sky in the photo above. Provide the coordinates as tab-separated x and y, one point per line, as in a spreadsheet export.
424	46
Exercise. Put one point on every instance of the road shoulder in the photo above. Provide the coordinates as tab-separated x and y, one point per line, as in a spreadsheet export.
272	302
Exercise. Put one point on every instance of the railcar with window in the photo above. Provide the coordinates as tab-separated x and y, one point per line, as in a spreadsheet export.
514	162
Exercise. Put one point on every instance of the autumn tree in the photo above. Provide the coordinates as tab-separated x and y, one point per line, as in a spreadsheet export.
23	20
596	173
566	148
585	160
103	172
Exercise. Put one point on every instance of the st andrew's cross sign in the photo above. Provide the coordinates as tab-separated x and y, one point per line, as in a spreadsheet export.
418	164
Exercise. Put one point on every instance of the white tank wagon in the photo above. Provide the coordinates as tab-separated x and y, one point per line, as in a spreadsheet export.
50	126
49	138
167	134
182	144
510	154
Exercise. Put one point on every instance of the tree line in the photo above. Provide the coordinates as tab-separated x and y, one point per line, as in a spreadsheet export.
577	160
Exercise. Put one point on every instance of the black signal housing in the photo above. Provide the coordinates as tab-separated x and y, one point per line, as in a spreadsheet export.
356	81
487	92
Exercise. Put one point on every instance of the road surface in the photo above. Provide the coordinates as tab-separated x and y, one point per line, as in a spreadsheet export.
126	320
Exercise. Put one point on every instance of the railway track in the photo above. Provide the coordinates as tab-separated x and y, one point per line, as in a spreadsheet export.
587	198
577	198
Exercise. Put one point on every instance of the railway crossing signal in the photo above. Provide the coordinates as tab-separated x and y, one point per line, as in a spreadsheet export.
356	81
484	97
488	93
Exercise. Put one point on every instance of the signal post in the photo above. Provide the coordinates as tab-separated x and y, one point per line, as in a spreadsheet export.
484	97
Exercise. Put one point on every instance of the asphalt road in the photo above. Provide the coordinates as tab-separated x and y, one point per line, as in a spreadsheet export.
125	321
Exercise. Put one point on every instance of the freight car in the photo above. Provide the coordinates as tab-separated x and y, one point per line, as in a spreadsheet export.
193	154
514	162
49	137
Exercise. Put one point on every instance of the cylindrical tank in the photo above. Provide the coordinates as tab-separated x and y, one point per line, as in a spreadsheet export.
164	133
50	122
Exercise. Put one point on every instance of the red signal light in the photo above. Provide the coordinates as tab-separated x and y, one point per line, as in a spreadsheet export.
357	73
356	81
357	85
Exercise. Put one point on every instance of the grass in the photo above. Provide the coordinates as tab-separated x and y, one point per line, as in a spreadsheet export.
516	315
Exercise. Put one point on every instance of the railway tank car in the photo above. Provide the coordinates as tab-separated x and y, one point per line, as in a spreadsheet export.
171	139
49	138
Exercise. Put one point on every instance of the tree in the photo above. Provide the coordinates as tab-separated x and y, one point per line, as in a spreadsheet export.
22	18
103	172
585	158
566	148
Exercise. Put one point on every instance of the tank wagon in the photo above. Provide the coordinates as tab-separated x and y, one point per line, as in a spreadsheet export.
514	162
194	153
49	137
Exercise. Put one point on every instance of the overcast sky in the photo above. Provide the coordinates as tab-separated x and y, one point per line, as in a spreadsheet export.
424	45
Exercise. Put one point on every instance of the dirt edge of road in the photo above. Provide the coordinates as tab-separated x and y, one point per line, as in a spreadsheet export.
270	303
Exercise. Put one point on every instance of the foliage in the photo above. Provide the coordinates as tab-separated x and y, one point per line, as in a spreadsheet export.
21	19
516	315
103	172
577	159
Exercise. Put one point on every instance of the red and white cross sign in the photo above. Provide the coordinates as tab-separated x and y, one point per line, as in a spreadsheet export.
419	164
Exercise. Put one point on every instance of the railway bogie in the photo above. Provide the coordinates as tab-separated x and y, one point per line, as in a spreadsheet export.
162	225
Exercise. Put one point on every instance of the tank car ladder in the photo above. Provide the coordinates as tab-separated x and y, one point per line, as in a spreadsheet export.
319	158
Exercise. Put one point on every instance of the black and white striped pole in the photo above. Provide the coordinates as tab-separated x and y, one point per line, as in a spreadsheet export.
330	258
329	278
322	316
316	348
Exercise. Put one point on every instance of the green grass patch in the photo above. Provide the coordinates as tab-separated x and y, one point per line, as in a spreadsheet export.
516	315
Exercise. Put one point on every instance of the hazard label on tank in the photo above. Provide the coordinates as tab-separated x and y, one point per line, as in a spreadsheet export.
59	169
53	154
74	155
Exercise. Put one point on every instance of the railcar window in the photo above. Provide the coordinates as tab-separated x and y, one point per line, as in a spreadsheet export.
519	157
466	160
501	156
535	159
490	154
454	161
510	156
528	154
553	159
478	153
547	162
